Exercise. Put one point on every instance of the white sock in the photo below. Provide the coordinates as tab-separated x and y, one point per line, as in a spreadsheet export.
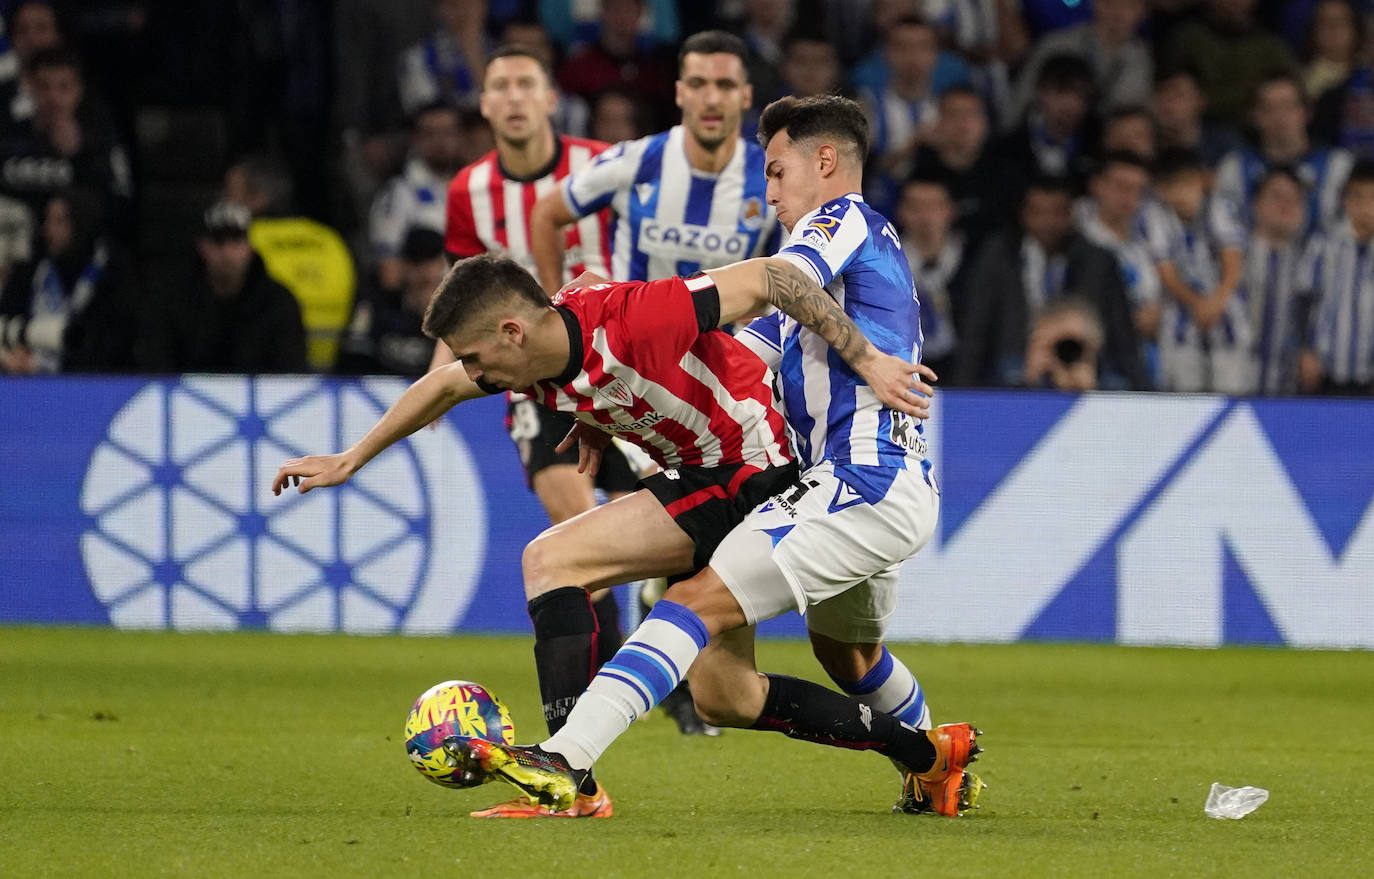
891	688
645	669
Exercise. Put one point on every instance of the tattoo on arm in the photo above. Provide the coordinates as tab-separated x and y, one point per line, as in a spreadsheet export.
798	296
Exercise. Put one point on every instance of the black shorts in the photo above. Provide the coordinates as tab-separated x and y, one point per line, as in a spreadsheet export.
537	430
708	502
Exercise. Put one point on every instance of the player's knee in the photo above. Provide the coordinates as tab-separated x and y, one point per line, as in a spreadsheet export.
725	706
844	662
540	565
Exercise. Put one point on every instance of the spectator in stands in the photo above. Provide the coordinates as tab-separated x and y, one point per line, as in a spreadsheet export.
993	36
1130	130
1269	284
939	260
72	310
1059	133
902	111
1338	357
1205	337
1335	36
764	30
875	70
1180	107
1120	60
1280	117
384	337
1344	113
306	256
615	118
810	66
573	23
1064	347
16	236
1018	271
230	316
1230	53
32	27
621	59
960	155
417	196
67	143
447	65
369	37
1110	217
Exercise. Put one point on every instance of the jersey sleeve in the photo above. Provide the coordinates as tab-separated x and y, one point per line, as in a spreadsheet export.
460	232
1162	233
591	188
827	242
763	336
657	319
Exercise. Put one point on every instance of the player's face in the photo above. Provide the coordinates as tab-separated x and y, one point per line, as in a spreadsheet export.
496	354
713	92
793	179
517	99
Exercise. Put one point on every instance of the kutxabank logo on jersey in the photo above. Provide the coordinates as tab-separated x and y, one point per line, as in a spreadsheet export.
182	531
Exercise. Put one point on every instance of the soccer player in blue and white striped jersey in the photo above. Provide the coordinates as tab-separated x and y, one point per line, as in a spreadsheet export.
1339	357
686	199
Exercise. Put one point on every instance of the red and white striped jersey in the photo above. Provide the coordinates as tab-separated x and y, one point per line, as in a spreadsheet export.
489	210
642	368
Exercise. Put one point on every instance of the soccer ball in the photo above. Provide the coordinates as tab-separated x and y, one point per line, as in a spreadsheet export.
454	708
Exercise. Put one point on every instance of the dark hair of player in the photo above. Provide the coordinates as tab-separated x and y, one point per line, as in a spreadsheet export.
814	117
1362	172
512	51
476	285
714	43
1177	162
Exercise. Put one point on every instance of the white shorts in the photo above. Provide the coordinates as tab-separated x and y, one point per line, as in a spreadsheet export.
831	549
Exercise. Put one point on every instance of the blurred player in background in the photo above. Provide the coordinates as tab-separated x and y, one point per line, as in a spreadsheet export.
685	199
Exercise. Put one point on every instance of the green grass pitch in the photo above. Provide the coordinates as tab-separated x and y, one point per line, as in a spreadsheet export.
256	755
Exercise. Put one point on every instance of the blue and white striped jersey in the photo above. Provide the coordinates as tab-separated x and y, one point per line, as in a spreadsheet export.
855	254
1323	172
670	219
1339	271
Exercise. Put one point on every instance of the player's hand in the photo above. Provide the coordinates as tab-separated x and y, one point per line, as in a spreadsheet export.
591	444
898	384
586	279
316	471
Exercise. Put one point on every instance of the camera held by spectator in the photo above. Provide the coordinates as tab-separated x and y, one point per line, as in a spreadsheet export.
1063	348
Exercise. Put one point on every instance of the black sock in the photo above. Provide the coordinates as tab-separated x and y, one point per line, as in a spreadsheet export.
803	710
565	654
609	637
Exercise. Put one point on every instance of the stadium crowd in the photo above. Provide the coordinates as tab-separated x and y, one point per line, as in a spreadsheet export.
1119	194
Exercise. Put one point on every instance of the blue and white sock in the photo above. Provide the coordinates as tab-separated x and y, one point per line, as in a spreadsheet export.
891	688
646	668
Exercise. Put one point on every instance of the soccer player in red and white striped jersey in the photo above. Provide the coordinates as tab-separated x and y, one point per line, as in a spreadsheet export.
640	360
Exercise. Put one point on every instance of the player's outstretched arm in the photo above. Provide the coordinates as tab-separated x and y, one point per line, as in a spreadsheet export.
427	399
748	288
547	219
